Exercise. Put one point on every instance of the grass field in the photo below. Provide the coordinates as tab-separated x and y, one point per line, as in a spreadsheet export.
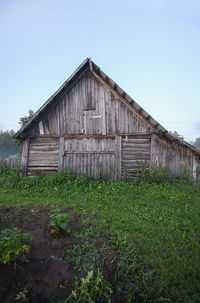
153	227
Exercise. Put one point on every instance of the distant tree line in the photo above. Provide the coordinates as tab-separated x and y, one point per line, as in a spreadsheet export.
8	145
196	143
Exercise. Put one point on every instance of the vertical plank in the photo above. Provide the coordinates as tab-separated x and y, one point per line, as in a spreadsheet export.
118	157
61	153
25	156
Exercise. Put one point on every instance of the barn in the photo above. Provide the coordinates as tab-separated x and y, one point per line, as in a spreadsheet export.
91	126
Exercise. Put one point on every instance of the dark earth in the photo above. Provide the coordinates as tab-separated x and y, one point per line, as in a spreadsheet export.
46	275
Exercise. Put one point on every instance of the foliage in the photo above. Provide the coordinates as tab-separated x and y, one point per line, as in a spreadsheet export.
90	289
153	174
177	135
9	177
153	226
58	221
196	143
13	245
25	119
8	145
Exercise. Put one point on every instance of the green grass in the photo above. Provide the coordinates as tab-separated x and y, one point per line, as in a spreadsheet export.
154	227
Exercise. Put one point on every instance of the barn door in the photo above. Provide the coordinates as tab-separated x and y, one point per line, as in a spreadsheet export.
92	156
136	151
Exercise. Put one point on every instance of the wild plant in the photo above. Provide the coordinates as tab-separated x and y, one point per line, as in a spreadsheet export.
91	289
13	245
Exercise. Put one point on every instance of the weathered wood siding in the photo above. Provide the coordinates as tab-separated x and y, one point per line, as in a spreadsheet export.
88	107
43	156
109	137
92	156
10	162
174	157
136	151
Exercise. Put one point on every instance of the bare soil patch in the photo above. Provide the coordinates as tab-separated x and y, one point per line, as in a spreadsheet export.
46	275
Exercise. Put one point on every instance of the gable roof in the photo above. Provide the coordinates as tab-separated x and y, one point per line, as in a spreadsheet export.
89	65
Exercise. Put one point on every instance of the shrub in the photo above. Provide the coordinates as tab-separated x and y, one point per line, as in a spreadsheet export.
13	245
155	174
58	221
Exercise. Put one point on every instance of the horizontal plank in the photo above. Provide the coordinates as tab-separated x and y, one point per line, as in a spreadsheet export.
131	166
136	161
45	139
137	136
135	146
136	152
42	163
80	136
90	152
132	170
42	168
136	141
129	161
45	154
43	159
138	157
43	149
45	144
37	173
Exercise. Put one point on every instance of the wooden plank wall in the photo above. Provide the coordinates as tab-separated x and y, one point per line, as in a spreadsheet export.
174	157
95	157
135	153
88	107
43	155
10	162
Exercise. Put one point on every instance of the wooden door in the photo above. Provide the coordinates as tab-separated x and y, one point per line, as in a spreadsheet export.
136	151
93	156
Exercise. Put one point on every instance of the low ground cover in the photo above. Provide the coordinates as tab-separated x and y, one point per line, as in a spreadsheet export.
143	236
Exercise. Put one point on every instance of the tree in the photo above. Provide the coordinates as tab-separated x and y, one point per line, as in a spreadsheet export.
177	135
196	143
8	145
25	119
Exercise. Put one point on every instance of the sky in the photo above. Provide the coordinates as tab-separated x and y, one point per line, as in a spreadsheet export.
150	48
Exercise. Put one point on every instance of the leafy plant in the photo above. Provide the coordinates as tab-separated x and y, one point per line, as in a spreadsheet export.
13	245
83	256
58	221
153	174
90	289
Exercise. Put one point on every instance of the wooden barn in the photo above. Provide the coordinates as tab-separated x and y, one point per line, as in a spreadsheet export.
91	126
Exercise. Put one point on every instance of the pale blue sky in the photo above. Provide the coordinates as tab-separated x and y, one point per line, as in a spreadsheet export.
151	48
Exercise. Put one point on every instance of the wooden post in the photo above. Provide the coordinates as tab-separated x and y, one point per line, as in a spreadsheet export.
118	157
61	153
25	157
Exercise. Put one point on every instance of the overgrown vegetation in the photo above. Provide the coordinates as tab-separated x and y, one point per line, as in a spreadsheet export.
13	245
90	289
84	257
152	224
